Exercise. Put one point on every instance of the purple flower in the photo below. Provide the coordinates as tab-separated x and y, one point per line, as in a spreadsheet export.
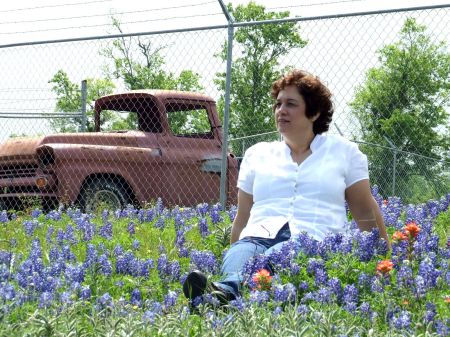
259	297
303	309
204	260
104	301
106	230
203	227
3	216
131	229
238	303
105	265
136	297
45	300
35	213
430	312
7	292
170	299
323	295
284	293
149	317
351	294
365	309
85	293
30	226
403	320
135	245
335	285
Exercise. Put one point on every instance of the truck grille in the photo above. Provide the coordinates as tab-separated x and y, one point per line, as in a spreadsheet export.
18	171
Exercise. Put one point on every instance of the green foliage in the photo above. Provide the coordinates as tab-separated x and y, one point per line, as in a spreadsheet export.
68	96
136	62
260	48
404	100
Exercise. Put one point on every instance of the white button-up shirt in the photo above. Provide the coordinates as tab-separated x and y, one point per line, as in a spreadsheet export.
310	196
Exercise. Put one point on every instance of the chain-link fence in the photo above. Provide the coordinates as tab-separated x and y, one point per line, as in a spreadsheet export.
387	71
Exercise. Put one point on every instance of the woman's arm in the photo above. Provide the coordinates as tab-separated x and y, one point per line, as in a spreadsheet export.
245	202
365	209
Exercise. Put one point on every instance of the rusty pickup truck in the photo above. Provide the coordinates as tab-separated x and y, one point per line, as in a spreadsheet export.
172	152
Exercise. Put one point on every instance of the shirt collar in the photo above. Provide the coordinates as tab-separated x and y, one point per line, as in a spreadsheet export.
315	144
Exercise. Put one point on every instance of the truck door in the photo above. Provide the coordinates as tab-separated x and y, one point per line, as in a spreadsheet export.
191	154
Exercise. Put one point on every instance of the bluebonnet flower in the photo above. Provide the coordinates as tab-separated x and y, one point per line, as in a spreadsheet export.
135	245
428	272
85	293
136	297
69	235
202	209
405	276
365	309
105	265
159	207
7	291
232	212
277	311
53	215
364	280
160	222
430	312
403	320
149	317
4	273
106	230
259	297
330	244
238	303
60	235
314	265
303	309
91	256
323	295
295	268
66	298
376	285
118	250
48	235
45	300
5	257
104	301
252	266
284	293
30	226
307	244
335	285
3	217
203	227
366	242
420	287
183	252
170	299
214	213
442	328
74	274
320	277
303	286
351	294
205	261
350	307
36	213
131	228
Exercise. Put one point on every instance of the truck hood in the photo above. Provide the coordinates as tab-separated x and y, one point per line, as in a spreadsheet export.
24	148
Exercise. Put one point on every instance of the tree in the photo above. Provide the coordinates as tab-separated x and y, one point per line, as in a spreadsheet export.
253	72
69	100
404	101
136	62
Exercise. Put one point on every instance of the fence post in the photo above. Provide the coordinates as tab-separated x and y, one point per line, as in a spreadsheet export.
83	105
223	171
394	167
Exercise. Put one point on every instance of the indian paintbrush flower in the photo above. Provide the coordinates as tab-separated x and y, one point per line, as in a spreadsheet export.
262	279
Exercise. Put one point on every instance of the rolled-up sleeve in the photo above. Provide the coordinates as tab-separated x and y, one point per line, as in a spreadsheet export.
357	169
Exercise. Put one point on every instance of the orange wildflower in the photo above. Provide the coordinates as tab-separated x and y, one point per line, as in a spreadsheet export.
399	236
412	229
447	299
262	279
385	266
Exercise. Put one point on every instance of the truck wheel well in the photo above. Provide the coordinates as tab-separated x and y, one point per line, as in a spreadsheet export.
111	177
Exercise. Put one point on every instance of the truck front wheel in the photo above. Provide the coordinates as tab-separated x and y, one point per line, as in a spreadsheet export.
102	194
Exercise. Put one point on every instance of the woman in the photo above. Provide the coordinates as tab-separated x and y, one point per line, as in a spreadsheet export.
298	184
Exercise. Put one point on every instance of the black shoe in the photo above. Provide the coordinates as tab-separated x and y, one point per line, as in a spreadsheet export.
196	284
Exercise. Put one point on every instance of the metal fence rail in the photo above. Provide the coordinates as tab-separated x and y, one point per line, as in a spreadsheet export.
340	49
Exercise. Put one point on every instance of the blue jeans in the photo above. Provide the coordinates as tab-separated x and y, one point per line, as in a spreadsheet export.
241	251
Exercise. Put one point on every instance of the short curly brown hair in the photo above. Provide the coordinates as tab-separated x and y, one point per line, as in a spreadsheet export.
316	95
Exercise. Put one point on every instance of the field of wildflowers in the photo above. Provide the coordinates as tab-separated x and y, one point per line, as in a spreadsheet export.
120	273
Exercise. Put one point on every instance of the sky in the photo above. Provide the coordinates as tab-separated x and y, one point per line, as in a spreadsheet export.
41	20
25	71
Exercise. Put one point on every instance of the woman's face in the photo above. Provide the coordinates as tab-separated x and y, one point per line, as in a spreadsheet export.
290	114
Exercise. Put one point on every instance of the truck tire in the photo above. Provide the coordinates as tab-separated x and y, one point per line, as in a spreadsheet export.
102	194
